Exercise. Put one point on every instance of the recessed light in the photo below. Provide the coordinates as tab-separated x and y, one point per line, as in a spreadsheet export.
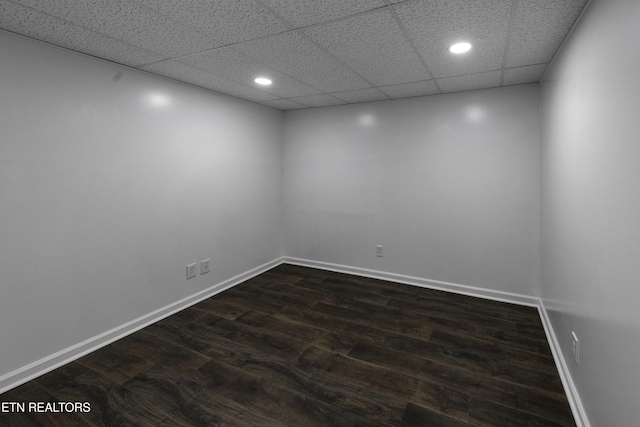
460	47
263	81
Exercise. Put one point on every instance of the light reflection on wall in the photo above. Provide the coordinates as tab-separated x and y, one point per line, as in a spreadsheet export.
159	100
366	120
475	113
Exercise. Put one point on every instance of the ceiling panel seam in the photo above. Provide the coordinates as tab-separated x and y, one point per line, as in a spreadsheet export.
90	31
512	16
329	54
411	42
244	83
177	22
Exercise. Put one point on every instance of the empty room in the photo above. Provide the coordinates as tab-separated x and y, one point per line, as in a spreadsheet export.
319	213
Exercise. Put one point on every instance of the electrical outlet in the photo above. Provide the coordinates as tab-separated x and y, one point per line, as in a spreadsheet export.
204	266
379	251
576	348
191	271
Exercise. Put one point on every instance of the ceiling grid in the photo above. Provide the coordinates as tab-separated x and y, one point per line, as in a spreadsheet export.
514	6
317	53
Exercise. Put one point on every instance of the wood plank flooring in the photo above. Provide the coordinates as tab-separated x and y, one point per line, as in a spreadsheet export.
302	347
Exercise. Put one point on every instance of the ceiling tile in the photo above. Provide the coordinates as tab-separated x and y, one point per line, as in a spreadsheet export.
523	75
373	46
470	82
435	25
283	104
361	95
129	22
406	90
539	28
22	20
179	71
227	22
295	55
355	50
233	65
58	8
307	12
31	23
115	50
318	100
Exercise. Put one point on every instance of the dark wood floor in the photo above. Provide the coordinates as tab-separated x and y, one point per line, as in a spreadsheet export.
303	347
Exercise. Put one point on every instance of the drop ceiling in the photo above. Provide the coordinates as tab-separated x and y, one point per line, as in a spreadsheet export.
317	52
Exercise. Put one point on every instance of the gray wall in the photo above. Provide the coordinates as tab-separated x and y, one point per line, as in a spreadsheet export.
591	207
448	184
106	195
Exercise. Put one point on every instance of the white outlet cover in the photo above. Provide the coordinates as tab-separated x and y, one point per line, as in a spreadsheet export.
204	266
191	271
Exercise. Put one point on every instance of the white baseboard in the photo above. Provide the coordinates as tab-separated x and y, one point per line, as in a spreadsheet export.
577	409
33	370
49	363
473	291
570	389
